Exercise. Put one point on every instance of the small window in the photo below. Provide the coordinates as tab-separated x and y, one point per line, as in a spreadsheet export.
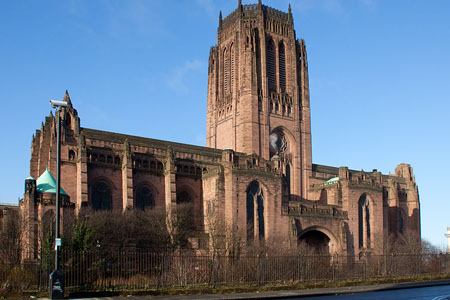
102	158
145	164
152	165
109	159
71	155
117	160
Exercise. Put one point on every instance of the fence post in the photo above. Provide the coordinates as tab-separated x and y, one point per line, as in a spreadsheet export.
258	269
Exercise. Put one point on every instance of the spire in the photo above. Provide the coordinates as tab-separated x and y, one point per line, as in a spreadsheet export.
220	18
290	13
259	2
67	98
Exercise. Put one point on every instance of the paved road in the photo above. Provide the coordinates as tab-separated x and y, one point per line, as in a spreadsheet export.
424	293
432	290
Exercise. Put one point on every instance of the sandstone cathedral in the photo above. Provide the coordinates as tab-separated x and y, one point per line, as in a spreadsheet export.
255	174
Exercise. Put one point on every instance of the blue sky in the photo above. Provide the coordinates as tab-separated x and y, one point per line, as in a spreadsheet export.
379	80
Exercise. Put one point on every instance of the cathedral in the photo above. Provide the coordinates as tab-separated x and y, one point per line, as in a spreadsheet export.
255	175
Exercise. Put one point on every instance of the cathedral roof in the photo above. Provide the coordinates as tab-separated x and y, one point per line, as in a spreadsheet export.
46	183
148	142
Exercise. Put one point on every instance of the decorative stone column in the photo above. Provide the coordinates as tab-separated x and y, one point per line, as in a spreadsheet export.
82	180
170	187
127	177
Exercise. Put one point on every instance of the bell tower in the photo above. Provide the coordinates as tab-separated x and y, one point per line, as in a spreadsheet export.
258	91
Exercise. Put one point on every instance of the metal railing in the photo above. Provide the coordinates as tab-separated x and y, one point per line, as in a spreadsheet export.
85	271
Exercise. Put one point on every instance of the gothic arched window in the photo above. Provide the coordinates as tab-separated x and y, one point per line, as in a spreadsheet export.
364	221
225	71
255	199
101	196
144	198
282	66
232	68
270	65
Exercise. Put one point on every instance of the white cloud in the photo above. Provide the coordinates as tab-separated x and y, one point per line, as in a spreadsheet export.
177	80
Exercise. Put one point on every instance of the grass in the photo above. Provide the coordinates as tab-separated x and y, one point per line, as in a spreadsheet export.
226	289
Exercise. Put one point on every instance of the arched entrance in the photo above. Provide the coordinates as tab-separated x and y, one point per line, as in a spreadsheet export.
316	241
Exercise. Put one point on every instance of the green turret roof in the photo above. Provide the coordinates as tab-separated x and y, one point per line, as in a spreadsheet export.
46	183
333	180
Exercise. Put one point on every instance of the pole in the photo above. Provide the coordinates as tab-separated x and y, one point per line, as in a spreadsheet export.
58	187
57	277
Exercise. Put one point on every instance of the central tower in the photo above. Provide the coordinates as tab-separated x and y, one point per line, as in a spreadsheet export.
258	92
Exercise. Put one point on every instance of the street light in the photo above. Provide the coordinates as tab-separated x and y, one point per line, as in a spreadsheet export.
57	277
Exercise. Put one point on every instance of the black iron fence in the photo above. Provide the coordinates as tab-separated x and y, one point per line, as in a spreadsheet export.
87	271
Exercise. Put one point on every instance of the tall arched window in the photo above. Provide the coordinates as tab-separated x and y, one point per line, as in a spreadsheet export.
400	221
258	58
288	177
144	198
232	68
282	66
364	221
270	64
255	199
101	196
67	121
225	71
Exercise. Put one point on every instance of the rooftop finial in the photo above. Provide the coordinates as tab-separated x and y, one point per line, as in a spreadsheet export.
290	13
220	18
67	97
239	3
259	2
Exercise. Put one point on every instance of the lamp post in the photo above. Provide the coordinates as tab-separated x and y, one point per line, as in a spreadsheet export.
57	277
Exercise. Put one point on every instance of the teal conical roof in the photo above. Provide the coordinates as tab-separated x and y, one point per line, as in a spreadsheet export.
46	183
